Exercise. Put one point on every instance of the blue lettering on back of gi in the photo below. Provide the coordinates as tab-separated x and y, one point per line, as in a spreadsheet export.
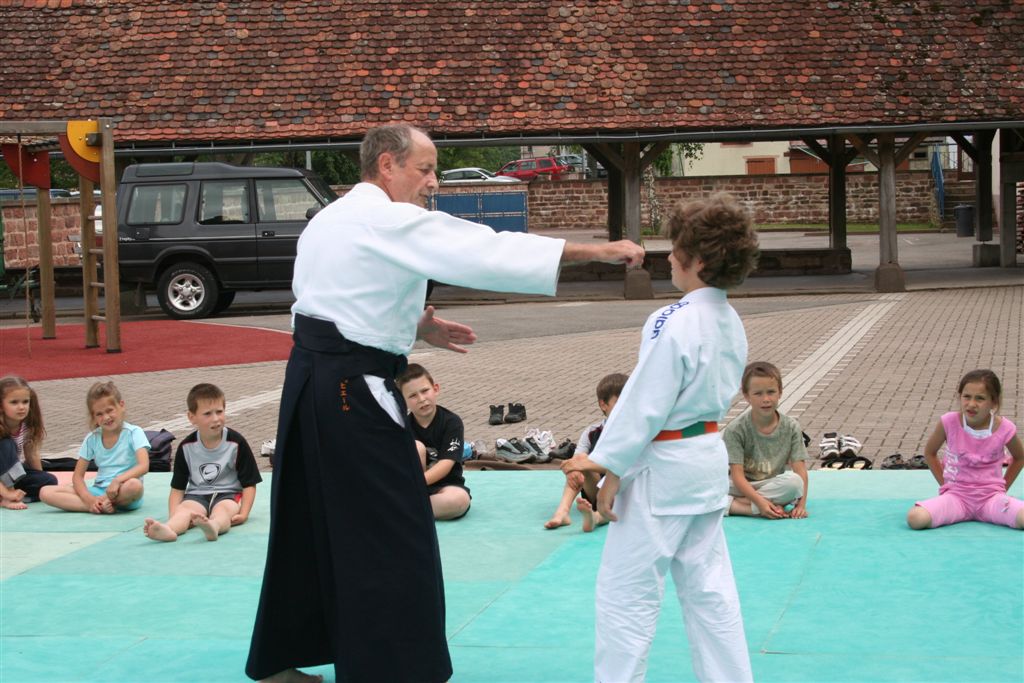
662	318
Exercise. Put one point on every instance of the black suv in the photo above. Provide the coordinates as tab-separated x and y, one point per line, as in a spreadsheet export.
200	231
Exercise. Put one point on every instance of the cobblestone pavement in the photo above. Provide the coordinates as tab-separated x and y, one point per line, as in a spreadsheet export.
881	367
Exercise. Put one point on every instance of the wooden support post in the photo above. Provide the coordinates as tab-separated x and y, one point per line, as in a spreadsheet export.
88	242
837	192
1011	172
631	190
983	185
111	272
45	239
889	276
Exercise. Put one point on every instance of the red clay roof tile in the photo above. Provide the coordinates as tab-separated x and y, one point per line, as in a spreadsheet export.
268	69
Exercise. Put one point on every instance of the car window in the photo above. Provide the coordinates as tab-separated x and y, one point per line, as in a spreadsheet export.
544	163
224	201
161	204
283	199
527	165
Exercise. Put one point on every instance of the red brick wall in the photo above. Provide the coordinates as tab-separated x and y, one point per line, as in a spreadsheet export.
582	204
773	199
1020	218
21	241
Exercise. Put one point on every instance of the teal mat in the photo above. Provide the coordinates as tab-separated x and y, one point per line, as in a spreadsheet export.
849	594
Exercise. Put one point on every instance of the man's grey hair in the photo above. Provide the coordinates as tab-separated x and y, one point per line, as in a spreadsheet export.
395	139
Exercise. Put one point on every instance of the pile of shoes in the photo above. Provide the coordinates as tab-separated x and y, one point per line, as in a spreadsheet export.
538	446
841	452
896	462
516	413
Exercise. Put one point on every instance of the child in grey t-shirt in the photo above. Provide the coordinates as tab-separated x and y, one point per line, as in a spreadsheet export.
215	474
761	443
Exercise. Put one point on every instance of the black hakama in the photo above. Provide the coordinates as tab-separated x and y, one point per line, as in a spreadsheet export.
353	572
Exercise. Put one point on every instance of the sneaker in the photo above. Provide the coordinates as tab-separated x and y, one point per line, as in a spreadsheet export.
564	450
539	454
497	415
479	449
267	449
512	450
545	439
829	445
849	447
516	413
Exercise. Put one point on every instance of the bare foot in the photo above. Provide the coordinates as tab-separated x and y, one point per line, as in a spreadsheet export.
203	523
587	510
293	676
12	504
557	521
13	496
158	531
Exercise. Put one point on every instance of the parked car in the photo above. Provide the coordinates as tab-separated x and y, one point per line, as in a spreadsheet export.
575	162
199	232
528	169
458	176
14	194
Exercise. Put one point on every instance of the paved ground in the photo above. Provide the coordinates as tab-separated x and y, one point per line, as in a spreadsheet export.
881	367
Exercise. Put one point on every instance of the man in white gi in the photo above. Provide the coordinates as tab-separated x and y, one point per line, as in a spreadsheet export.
668	465
353	574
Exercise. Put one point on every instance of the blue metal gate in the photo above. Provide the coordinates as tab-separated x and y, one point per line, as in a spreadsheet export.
500	210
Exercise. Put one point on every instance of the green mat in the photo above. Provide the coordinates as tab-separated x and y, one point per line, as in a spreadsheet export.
849	594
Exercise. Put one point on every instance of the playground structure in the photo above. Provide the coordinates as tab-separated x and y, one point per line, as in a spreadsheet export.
88	147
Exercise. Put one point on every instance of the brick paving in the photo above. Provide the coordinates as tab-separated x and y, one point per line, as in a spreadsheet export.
887	389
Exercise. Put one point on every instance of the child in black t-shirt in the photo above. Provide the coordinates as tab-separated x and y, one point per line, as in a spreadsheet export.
439	436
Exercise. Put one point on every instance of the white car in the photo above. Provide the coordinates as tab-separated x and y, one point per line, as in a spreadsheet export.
458	176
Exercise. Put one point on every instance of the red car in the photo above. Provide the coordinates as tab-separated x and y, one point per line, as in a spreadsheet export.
528	169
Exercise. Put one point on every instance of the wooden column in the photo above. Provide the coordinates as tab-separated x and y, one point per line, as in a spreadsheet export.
610	156
1011	172
111	272
90	297
45	239
888	246
983	185
631	190
837	192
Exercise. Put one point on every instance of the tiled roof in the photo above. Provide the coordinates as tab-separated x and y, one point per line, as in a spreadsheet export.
275	70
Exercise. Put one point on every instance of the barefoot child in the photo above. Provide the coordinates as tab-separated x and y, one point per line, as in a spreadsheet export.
585	484
21	436
661	447
972	485
761	443
215	473
121	452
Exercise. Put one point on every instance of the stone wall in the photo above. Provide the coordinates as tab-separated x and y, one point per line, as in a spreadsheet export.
1020	218
582	205
21	233
798	198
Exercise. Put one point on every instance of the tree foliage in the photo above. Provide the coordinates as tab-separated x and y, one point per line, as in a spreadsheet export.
676	156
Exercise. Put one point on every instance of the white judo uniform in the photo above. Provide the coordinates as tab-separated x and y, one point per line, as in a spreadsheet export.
673	495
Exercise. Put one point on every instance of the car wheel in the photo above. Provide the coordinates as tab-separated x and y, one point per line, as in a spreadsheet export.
224	300
187	290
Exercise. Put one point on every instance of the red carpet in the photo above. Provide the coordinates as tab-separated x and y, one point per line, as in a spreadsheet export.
146	346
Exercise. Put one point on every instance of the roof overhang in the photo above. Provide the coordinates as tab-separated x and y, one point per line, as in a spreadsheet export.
129	148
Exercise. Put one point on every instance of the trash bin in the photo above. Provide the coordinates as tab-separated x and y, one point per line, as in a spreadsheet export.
964	215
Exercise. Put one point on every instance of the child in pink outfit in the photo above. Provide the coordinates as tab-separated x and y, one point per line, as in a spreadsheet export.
972	485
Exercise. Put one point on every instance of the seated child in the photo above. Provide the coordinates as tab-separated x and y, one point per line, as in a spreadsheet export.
215	473
761	442
21	436
972	484
586	483
121	452
439	437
